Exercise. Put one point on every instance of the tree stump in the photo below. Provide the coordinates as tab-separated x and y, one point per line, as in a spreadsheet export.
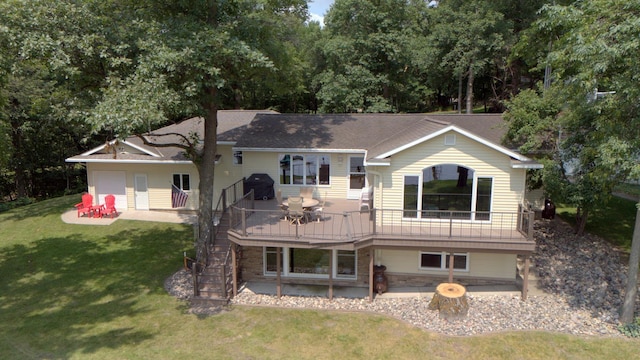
451	300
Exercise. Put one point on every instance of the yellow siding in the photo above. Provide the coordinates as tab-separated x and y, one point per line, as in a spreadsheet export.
508	183
159	180
495	266
268	163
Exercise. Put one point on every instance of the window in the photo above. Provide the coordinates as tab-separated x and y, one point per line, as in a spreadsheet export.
270	260
237	157
346	261
304	169
447	191
440	261
311	262
450	139
182	182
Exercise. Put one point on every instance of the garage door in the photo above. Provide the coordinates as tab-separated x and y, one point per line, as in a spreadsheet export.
111	182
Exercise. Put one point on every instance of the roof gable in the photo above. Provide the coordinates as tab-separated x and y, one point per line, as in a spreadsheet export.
458	130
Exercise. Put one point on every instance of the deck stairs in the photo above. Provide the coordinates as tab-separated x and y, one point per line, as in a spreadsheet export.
215	282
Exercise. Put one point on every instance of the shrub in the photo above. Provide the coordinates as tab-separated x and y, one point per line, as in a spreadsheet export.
631	330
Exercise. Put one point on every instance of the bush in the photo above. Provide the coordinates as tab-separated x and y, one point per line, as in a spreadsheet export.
631	330
5	206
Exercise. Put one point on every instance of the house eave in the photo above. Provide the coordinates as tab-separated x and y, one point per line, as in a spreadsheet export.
301	150
515	164
126	161
468	134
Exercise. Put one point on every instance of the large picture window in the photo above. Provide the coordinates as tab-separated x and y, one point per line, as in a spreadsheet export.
311	262
304	169
447	191
440	261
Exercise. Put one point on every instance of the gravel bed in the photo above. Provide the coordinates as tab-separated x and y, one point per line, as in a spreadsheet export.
583	276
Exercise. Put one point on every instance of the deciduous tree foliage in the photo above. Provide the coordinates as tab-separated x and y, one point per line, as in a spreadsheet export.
135	65
593	54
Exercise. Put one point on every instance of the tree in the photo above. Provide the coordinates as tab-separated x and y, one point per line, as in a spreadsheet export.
467	36
40	42
367	55
131	65
189	55
596	78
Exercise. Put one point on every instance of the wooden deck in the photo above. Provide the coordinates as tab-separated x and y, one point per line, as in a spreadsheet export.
344	226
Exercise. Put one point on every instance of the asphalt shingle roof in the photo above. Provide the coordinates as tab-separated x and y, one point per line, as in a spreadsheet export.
253	129
375	133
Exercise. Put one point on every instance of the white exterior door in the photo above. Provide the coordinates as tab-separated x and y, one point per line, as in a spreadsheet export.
141	192
356	176
111	182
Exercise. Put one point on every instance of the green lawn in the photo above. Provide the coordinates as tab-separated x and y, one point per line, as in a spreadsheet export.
96	292
615	222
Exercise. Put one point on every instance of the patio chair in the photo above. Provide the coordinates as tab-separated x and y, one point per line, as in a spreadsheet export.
86	206
284	208
365	198
306	192
296	212
109	206
318	211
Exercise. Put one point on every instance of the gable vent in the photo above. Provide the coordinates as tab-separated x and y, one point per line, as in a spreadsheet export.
450	139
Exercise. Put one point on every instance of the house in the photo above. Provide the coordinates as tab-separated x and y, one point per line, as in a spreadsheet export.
141	177
447	201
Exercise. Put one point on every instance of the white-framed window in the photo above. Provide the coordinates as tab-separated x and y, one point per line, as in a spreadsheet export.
182	181
304	169
296	262
440	261
447	190
237	158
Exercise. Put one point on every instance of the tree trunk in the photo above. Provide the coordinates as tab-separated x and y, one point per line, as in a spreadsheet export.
206	170
18	161
628	306
460	93
451	300
470	91
581	220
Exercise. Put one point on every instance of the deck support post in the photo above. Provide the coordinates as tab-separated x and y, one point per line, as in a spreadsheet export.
371	255
278	270
525	278
451	267
330	277
234	268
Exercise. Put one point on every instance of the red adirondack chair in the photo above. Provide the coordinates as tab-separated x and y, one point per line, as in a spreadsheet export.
109	206
86	206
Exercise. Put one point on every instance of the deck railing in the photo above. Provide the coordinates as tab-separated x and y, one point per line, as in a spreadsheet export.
249	222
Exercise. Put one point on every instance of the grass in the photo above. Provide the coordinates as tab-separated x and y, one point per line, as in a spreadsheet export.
96	292
615	222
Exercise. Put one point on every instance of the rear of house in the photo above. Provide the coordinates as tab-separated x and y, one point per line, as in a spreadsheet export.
439	193
445	199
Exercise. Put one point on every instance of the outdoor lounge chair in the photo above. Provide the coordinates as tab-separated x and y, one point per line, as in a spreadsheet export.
86	206
109	206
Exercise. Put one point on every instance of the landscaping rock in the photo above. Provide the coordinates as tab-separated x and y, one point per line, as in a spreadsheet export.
583	275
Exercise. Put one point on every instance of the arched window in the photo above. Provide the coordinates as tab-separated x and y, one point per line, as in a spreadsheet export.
447	190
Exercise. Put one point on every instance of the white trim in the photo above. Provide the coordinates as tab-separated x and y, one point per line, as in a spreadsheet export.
101	147
300	150
444	255
285	266
130	161
528	165
460	131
